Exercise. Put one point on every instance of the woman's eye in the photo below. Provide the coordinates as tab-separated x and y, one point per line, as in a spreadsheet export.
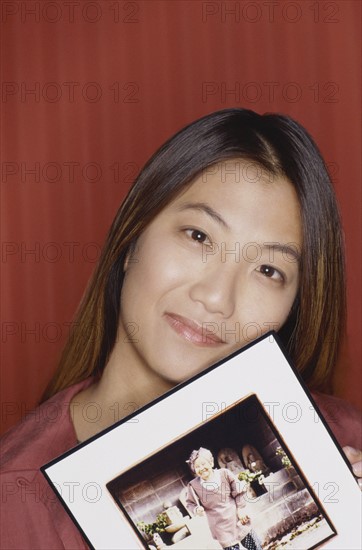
271	272
197	235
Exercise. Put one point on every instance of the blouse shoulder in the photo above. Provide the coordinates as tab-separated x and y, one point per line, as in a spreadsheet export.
227	474
42	435
31	515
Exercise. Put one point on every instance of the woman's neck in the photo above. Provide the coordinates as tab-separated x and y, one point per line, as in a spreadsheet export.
125	386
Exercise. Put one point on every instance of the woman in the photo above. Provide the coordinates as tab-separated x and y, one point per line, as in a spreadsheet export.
232	225
218	494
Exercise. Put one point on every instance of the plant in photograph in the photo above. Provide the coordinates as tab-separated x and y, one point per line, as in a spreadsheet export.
284	457
157	526
249	476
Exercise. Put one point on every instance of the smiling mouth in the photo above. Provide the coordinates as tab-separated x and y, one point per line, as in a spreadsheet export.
192	331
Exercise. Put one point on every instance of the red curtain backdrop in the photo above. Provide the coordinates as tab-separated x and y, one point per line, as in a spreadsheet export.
91	88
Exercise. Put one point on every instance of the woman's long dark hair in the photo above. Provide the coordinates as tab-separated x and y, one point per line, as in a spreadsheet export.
282	147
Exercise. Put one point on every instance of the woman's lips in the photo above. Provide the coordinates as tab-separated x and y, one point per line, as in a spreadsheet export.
192	331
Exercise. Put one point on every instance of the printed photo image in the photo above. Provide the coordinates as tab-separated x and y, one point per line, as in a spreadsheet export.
230	483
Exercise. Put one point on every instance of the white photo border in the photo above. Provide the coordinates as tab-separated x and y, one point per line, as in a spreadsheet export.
260	368
232	414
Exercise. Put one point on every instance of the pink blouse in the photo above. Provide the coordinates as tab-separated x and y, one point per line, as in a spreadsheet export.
32	517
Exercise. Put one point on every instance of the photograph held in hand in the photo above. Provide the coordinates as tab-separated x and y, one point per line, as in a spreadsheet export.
233	467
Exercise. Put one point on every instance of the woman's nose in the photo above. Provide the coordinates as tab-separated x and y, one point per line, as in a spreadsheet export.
215	288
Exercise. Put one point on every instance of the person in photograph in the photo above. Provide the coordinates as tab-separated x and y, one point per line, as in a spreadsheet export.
220	495
167	299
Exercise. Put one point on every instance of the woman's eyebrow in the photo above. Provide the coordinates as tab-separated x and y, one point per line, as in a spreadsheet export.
203	207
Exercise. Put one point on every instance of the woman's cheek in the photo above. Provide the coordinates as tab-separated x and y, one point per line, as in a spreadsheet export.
262	311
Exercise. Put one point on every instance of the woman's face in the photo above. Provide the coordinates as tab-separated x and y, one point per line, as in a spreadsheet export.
203	468
217	268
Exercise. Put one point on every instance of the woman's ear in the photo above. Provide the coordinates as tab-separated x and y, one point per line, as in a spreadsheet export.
129	256
126	261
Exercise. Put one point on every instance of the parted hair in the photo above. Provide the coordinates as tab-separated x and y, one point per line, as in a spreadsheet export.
282	147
